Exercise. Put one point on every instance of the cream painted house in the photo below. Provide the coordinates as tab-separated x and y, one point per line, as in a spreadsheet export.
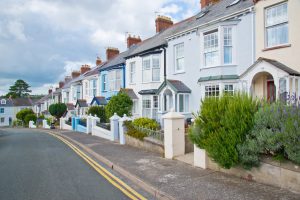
276	73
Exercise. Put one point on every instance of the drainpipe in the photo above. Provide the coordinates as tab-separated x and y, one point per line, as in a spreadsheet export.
124	76
165	63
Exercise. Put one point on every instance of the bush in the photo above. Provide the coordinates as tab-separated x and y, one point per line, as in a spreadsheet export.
99	111
30	117
58	110
133	132
22	114
276	132
120	104
222	124
146	123
41	117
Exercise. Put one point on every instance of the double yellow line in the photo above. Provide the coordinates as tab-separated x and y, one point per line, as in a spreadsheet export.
128	191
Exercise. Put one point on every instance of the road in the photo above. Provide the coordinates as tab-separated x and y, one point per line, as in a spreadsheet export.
37	166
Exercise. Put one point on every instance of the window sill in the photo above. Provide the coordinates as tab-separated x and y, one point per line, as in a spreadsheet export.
151	82
277	47
181	72
132	83
215	66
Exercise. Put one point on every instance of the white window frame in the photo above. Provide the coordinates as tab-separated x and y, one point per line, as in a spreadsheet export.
104	82
151	68
227	42
228	90
178	57
153	102
115	83
146	106
208	48
132	72
212	90
3	101
186	102
2	118
135	107
86	87
276	24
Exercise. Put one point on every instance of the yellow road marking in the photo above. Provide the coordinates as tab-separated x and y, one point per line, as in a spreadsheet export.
127	190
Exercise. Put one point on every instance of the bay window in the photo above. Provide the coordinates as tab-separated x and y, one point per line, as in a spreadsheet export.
146	103
227	35
93	87
179	57
211	48
118	80
132	72
276	25
151	68
86	89
183	104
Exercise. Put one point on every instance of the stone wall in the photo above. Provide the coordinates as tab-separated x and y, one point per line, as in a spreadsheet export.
148	144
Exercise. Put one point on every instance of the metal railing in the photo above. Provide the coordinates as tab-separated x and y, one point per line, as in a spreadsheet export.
82	122
156	134
103	125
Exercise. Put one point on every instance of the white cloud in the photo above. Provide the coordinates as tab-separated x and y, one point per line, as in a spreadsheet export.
16	29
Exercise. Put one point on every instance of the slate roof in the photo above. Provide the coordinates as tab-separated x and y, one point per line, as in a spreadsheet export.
145	92
176	85
275	63
81	103
130	93
206	15
118	60
9	102
99	100
22	102
221	77
70	106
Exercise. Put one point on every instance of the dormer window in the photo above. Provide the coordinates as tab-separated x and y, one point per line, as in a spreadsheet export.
3	101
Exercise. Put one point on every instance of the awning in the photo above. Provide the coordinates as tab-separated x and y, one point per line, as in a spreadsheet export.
130	93
101	101
176	85
81	103
215	78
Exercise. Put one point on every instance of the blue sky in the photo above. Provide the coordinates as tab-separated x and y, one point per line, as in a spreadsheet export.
41	41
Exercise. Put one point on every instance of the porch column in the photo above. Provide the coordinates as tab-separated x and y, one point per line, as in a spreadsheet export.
276	83
174	101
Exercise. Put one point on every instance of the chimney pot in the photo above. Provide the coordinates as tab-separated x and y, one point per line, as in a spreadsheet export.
98	61
163	23
132	40
75	74
84	68
111	53
205	3
61	84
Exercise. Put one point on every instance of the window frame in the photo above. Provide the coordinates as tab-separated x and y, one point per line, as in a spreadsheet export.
3	101
216	93
186	102
227	45
132	72
113	80
230	92
104	82
215	49
2	110
151	68
266	26
176	58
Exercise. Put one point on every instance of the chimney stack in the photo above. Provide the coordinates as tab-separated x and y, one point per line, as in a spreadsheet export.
162	23
84	68
61	84
75	74
132	40
49	91
205	3
111	53
98	61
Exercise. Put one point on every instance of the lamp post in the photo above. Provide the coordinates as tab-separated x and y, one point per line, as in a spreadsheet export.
51	103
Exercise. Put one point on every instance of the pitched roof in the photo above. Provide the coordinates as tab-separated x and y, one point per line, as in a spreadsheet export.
26	101
145	92
99	100
8	102
176	85
70	106
275	63
81	103
118	59
130	93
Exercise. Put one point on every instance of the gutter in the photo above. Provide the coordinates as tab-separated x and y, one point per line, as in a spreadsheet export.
211	22
145	51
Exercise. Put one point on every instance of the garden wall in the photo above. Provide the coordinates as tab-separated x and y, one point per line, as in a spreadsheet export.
66	127
285	175
101	132
148	144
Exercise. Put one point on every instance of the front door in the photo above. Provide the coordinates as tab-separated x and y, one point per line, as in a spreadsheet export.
271	91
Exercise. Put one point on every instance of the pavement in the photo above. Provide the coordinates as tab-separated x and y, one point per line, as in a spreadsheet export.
37	166
172	179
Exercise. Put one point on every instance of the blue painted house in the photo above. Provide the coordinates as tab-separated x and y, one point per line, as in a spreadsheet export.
112	73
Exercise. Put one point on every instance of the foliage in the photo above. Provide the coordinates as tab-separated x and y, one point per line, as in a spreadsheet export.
22	114
146	123
120	104
99	111
133	132
222	124
276	133
30	117
57	110
41	117
19	89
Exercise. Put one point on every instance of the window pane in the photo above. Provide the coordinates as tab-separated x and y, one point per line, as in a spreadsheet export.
277	35
155	61
155	74
179	64
227	55
181	103
276	14
186	103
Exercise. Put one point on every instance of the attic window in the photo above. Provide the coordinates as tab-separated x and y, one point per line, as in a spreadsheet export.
233	3
201	14
3	101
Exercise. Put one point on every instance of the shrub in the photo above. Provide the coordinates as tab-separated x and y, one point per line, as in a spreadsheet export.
133	132
57	110
99	111
22	114
120	104
41	117
222	124
276	132
146	123
30	117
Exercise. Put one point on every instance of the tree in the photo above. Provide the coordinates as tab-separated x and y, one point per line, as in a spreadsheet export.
99	111
19	89
120	104
57	110
30	117
23	113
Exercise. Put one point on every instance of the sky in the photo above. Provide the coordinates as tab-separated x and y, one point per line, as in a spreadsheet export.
42	41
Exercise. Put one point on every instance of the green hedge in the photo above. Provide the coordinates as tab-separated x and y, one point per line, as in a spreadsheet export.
146	123
222	124
99	111
133	132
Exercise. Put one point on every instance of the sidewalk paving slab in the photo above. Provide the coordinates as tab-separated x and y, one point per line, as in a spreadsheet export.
175	178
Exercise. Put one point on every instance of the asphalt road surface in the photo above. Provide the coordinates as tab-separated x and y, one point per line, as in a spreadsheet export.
37	166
